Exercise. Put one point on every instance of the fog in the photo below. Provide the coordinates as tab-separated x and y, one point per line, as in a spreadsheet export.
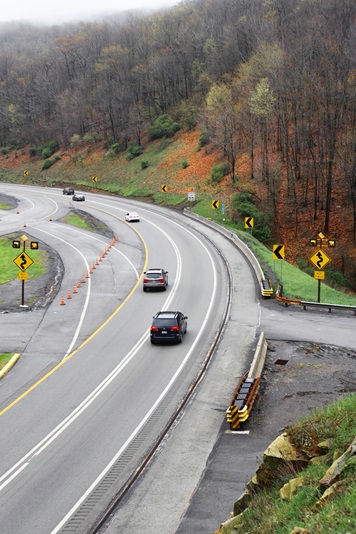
44	12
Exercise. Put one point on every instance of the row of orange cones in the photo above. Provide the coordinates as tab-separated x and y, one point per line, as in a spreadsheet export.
92	268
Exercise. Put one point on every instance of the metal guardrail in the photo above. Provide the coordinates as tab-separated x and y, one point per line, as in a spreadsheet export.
265	285
312	304
326	305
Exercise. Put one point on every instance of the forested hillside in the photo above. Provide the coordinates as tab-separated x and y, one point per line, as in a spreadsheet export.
270	83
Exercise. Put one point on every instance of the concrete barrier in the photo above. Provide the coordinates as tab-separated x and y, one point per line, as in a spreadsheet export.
247	389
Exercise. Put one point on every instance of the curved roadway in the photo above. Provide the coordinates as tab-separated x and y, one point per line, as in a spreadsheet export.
88	409
90	394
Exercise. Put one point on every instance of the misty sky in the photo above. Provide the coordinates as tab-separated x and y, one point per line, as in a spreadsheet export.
59	11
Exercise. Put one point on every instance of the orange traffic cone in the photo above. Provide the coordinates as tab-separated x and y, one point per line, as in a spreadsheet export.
24	225
78	284
96	262
62	301
83	279
88	275
69	295
50	218
75	290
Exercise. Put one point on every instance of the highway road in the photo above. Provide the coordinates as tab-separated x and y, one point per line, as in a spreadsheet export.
90	395
73	440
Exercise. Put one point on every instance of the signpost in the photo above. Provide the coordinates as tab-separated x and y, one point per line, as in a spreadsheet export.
278	254
320	259
23	262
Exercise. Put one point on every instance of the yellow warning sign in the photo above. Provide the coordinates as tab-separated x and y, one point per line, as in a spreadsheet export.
319	275
320	259
23	261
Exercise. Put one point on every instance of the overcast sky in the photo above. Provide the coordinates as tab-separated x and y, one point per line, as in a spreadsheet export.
58	11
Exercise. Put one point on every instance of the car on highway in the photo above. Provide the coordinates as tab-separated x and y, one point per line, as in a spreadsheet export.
78	197
68	191
132	216
155	279
168	326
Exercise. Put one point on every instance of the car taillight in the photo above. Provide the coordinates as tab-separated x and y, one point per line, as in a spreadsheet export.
175	329
161	279
154	328
145	280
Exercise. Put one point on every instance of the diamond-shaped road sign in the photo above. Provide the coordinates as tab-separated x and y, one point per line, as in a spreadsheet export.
23	261
320	259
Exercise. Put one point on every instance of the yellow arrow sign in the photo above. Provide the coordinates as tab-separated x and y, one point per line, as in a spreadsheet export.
164	188
215	204
320	259
278	252
249	222
23	261
94	179
25	173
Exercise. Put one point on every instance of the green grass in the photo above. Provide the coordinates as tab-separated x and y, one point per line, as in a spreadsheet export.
269	513
9	270
76	220
296	283
125	178
5	358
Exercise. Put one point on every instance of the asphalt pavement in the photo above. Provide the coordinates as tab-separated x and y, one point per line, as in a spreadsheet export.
202	468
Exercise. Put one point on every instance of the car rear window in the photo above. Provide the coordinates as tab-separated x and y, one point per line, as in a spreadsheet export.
164	322
153	275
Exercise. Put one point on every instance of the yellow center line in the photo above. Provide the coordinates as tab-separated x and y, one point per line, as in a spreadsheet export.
36	384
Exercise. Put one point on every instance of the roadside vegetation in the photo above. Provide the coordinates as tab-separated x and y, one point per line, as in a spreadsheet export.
5	358
269	512
297	283
9	270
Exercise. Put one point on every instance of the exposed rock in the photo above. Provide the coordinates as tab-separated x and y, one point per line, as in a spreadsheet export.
337	467
289	489
331	492
279	459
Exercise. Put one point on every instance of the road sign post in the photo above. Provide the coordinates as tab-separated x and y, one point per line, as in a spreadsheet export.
278	254
320	259
23	262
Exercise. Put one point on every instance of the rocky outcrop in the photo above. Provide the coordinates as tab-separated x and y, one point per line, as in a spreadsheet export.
280	460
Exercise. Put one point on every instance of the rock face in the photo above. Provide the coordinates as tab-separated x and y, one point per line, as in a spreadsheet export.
280	460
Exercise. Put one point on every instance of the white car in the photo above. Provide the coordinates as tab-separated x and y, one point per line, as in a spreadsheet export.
132	216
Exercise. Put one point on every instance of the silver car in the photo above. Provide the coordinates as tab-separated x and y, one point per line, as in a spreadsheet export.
155	279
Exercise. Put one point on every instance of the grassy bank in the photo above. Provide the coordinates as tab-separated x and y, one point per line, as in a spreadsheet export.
335	427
